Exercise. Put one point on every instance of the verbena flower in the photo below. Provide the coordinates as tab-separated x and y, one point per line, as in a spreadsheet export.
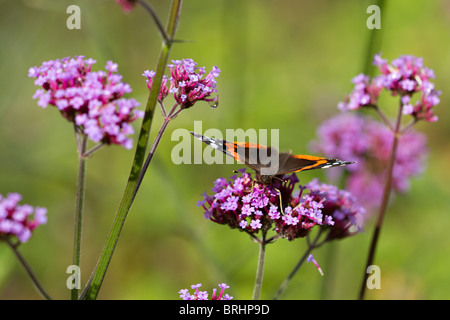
19	220
127	5
365	93
187	83
203	295
341	206
311	259
92	100
407	77
368	142
249	206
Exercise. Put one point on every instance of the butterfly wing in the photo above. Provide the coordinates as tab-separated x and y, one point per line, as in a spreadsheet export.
253	155
259	157
256	156
290	163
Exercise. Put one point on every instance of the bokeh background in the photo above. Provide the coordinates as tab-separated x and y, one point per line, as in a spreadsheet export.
285	65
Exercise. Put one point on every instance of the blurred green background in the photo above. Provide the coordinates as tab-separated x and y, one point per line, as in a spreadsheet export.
285	65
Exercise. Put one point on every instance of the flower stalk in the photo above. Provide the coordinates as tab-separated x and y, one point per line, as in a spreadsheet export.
260	267
311	246
81	182
28	269
164	35
384	201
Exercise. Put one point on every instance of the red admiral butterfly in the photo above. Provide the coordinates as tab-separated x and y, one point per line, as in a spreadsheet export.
260	158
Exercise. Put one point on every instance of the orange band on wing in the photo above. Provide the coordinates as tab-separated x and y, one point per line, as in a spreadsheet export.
307	157
318	161
233	147
232	151
249	145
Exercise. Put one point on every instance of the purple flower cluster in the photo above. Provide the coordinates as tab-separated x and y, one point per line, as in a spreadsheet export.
239	203
187	83
203	295
251	207
19	220
365	93
339	205
405	76
92	100
368	142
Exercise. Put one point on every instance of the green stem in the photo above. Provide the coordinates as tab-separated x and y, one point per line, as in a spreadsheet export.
94	284
373	43
28	269
89	153
151	153
407	127
81	182
156	19
260	267
384	202
383	117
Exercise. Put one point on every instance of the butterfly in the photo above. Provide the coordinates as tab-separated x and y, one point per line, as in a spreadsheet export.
267	162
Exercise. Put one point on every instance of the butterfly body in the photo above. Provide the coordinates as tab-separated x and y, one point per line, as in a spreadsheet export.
267	162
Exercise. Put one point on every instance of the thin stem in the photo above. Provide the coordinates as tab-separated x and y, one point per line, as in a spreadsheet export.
272	239
94	284
175	114
151	153
158	22
167	119
163	110
311	246
383	117
28	269
408	126
384	202
260	267
81	181
172	111
255	238
88	153
78	136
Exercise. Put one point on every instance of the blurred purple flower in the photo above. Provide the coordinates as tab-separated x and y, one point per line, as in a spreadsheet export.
127	5
19	220
405	77
92	100
365	93
369	143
